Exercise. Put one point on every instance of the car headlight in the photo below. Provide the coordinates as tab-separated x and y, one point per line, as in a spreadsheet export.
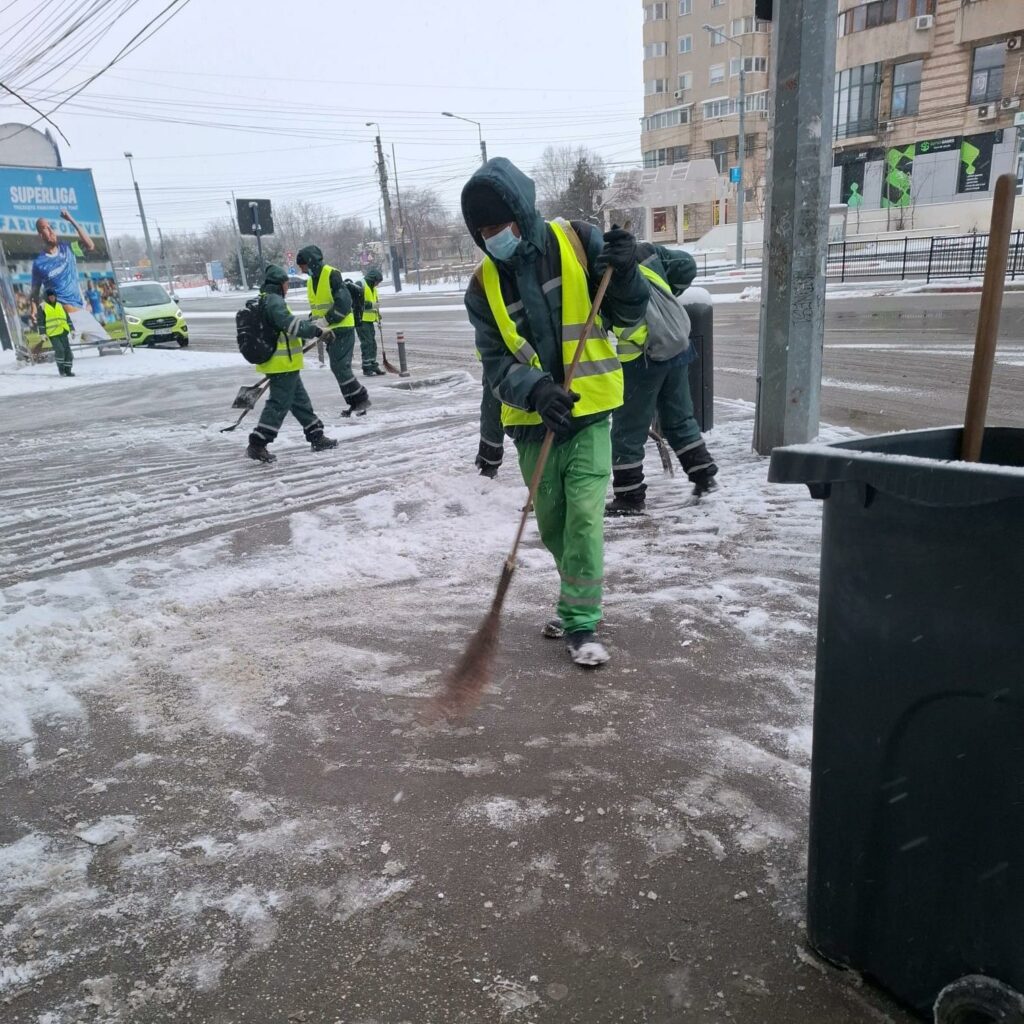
132	319
178	313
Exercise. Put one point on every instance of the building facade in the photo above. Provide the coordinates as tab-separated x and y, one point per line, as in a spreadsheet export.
928	104
926	100
693	53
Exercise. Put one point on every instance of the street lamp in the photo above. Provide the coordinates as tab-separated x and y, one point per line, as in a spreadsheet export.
741	145
238	240
142	214
479	132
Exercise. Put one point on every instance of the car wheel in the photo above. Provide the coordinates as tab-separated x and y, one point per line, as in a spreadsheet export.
183	343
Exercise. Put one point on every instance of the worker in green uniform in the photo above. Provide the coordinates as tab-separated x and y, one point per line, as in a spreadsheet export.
330	305
368	323
528	301
287	392
53	319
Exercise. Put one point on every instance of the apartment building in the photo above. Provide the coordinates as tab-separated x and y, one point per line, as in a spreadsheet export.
929	97
692	93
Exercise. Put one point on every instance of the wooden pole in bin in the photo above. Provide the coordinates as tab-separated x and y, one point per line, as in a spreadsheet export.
988	317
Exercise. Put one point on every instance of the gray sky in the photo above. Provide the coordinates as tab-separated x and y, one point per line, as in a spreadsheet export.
270	99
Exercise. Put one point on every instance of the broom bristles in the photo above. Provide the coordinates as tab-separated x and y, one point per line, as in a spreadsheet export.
465	684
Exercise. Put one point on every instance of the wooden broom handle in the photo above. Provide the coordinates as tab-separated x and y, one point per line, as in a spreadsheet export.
988	317
549	437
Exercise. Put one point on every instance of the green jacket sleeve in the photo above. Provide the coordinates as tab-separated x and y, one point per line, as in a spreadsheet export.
625	301
511	380
680	268
277	314
490	417
342	299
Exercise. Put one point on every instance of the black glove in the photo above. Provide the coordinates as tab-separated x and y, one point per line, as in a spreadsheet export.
619	252
554	404
488	458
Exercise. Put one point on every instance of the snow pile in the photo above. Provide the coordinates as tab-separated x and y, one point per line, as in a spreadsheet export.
90	368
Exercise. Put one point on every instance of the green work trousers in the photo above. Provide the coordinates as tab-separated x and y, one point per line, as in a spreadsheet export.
339	351
570	514
368	345
287	394
61	351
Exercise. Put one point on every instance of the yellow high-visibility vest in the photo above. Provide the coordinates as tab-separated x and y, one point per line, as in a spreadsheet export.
321	299
633	339
288	354
370	314
57	322
598	379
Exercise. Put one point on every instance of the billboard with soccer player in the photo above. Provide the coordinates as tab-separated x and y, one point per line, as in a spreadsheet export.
53	238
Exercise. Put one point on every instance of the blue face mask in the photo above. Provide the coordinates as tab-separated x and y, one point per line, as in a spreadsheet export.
503	245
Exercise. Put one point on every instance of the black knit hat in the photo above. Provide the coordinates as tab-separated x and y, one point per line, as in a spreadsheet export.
482	207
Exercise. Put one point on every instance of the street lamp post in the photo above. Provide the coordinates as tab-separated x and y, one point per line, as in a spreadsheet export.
238	241
142	215
479	132
382	172
741	143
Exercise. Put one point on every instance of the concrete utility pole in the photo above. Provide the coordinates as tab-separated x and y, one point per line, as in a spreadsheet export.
142	215
792	328
233	206
382	171
163	260
401	216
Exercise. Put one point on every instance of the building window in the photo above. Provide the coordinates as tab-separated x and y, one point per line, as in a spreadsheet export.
717	34
720	153
655	50
881	12
685	44
744	26
685	81
716	74
667	155
685	8
987	73
906	88
750	65
655	86
667	119
659	220
855	103
656	12
717	3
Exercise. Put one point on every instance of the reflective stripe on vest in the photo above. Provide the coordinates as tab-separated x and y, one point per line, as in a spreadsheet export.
598	379
633	339
321	299
370	314
56	320
288	354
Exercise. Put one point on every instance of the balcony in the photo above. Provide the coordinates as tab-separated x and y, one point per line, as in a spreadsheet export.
982	20
902	40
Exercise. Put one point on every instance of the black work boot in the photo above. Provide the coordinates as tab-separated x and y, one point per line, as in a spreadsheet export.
629	491
322	444
699	467
625	505
585	649
259	453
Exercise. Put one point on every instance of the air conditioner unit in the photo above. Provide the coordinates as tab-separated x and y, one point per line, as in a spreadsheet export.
1015	43
987	112
923	22
1010	103
679	94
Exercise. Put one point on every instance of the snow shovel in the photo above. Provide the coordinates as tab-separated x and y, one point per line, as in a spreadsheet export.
383	354
250	394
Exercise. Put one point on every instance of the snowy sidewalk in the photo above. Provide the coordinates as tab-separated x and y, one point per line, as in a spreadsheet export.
222	804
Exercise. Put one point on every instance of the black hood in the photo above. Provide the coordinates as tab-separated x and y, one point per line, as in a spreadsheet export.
514	190
311	256
274	280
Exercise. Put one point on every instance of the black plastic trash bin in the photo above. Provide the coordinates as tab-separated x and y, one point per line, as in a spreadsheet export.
916	860
698	304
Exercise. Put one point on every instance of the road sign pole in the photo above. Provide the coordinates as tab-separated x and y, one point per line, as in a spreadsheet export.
792	328
254	209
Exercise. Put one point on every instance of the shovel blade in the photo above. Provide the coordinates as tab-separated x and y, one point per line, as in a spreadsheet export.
247	397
